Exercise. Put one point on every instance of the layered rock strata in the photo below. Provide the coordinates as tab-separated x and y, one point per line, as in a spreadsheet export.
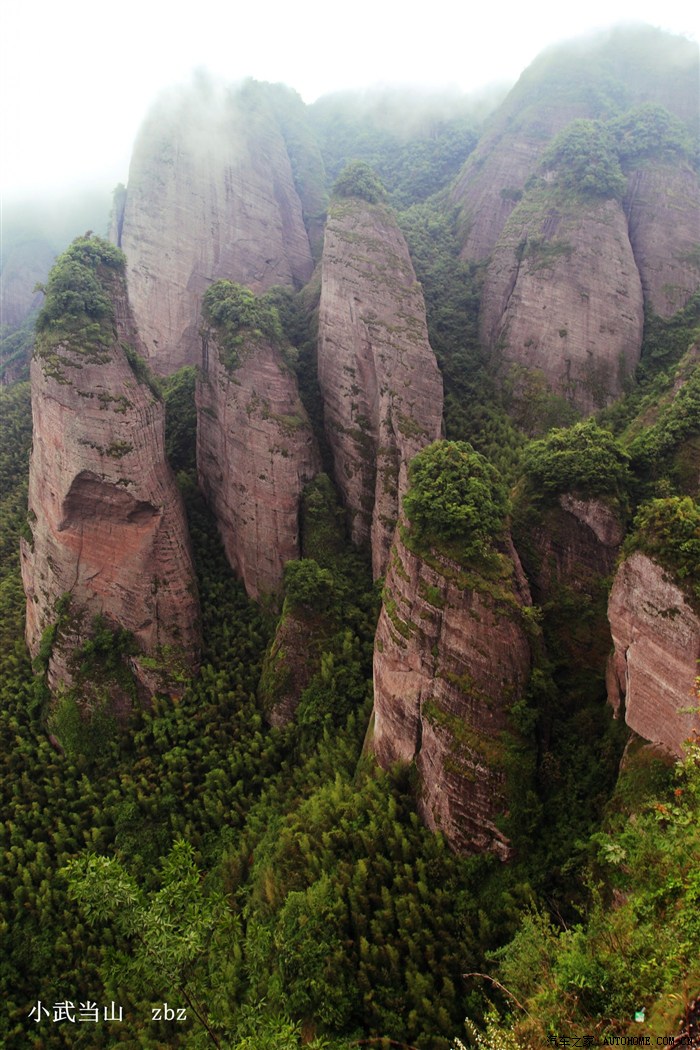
382	391
562	299
451	655
109	535
211	194
662	205
652	674
255	454
561	85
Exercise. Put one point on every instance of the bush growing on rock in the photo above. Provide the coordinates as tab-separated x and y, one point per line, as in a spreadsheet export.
357	179
455	495
583	458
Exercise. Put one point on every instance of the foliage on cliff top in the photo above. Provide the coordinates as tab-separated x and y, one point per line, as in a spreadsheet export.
668	530
650	131
585	157
455	495
235	312
78	311
357	179
583	458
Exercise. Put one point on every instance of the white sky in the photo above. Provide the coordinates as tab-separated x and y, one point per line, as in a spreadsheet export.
77	76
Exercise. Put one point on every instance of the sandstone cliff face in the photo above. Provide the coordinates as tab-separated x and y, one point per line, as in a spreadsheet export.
592	79
575	543
662	205
381	387
107	520
652	671
255	453
451	656
562	298
211	194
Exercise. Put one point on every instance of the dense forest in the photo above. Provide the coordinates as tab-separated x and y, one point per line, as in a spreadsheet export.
196	876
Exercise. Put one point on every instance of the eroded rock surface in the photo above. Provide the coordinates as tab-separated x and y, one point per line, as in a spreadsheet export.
211	195
653	669
381	387
107	521
563	299
255	454
662	204
451	655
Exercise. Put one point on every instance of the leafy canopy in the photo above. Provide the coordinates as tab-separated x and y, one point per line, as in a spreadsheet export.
669	531
235	311
585	157
357	179
455	494
584	457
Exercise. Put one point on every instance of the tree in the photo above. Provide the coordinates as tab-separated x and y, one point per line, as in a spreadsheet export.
455	494
357	179
170	933
583	458
585	158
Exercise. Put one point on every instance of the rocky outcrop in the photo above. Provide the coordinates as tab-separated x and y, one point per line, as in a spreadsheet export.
255	453
652	675
451	655
382	391
573	544
662	205
592	78
212	194
109	536
562	298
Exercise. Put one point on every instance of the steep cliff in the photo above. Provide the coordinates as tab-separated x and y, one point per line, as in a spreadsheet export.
381	387
212	194
662	205
652	675
109	537
562	297
451	656
255	447
595	78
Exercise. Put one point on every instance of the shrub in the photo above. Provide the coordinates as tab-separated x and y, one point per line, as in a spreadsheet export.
307	584
234	311
357	179
455	494
585	157
669	531
584	458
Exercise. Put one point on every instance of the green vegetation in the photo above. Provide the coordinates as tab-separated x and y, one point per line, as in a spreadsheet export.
455	495
358	180
668	530
273	882
650	132
583	458
585	158
77	318
238	316
416	146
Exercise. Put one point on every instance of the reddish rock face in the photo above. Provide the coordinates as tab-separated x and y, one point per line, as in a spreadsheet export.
381	387
653	669
107	519
662	204
255	453
576	543
562	298
211	194
450	657
561	85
